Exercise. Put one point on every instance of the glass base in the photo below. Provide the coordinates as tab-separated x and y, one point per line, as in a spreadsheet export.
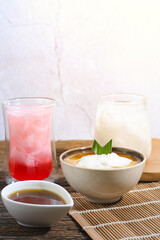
10	179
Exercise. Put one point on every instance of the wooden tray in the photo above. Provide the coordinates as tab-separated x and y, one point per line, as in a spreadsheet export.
152	168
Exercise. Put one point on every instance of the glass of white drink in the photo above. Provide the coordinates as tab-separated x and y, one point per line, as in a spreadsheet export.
124	119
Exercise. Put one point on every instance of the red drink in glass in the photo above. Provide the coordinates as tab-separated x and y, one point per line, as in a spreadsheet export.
30	156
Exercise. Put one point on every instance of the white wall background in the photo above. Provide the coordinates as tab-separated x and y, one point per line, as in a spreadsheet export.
76	50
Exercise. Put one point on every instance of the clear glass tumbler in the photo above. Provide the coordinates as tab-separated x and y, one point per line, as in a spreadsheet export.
30	152
124	119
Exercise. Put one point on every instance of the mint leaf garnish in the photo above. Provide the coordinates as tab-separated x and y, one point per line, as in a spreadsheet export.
97	149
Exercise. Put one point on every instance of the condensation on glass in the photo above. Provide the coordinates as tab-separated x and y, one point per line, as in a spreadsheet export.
124	119
30	152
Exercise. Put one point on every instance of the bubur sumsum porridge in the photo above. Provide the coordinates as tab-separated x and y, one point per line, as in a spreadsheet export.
109	161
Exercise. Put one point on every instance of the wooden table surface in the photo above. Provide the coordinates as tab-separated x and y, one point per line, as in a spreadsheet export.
66	228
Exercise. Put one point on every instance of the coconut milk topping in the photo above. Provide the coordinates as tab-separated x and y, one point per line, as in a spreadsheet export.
103	161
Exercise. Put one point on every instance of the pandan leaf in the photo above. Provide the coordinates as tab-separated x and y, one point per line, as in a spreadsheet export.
97	149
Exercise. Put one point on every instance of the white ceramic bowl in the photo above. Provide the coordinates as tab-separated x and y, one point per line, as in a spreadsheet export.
34	215
102	186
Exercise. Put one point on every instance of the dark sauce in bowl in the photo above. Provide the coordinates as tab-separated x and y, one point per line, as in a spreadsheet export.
37	196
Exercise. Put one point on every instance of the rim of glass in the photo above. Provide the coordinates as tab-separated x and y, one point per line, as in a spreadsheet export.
137	98
13	102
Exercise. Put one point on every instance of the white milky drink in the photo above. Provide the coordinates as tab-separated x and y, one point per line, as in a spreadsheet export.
124	119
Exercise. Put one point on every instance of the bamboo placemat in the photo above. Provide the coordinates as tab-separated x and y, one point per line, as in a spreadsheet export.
135	216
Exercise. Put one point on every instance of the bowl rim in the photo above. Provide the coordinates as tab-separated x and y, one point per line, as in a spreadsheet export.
5	198
107	170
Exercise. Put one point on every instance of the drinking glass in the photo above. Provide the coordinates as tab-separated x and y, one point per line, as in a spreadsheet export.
30	152
124	119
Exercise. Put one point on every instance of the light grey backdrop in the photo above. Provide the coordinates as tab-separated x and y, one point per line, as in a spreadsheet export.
75	51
